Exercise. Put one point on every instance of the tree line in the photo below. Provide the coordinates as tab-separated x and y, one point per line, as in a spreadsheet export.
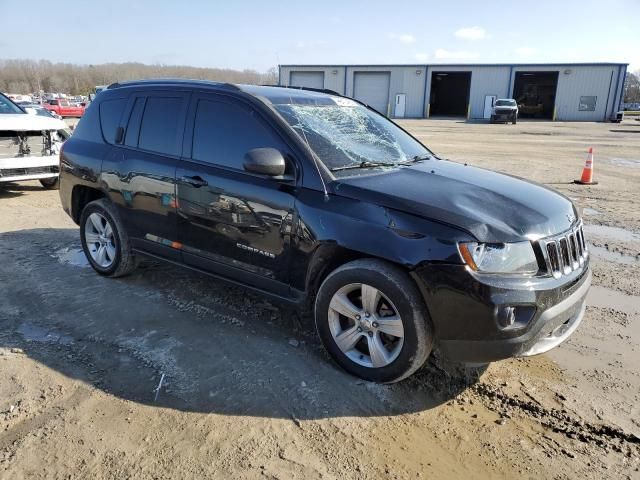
632	87
25	76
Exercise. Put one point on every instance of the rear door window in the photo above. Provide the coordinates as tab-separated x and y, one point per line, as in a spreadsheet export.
224	131
161	127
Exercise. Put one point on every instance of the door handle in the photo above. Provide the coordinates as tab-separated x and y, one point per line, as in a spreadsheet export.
196	181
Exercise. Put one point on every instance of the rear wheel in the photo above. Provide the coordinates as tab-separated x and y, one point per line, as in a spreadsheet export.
50	183
372	320
105	241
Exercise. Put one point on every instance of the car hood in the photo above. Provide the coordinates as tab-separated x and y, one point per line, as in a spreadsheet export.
22	122
493	207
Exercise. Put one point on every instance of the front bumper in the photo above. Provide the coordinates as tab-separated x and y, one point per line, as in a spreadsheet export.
504	117
15	169
465	308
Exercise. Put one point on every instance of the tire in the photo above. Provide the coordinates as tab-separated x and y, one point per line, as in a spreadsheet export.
404	351
118	258
50	183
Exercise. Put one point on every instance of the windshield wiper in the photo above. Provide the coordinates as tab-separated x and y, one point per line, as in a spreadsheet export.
419	158
364	164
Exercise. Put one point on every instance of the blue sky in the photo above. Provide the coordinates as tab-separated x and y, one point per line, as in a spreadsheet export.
259	35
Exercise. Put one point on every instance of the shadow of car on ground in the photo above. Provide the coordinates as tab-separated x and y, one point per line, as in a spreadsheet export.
220	348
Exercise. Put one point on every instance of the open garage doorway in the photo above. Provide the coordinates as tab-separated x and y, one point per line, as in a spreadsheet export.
535	93
449	94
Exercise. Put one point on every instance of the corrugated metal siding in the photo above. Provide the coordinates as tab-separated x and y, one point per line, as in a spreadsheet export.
413	86
487	81
583	82
604	81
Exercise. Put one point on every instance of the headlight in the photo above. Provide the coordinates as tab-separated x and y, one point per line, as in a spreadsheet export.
499	257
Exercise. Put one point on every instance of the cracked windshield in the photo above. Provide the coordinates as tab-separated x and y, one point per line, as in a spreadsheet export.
349	135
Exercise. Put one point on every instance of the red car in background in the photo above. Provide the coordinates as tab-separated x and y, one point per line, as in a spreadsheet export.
64	108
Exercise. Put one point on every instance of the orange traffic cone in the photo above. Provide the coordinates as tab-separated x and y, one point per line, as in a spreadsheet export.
587	171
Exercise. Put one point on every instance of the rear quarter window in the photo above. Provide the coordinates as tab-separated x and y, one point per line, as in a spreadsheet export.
88	128
110	115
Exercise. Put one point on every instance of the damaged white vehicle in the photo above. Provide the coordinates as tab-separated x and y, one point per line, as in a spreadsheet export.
29	145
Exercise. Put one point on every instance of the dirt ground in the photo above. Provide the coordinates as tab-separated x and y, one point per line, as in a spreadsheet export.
247	391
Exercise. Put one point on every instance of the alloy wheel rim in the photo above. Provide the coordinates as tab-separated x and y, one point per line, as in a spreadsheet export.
98	234
366	325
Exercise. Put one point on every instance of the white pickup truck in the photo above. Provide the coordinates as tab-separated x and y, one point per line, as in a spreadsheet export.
505	110
29	145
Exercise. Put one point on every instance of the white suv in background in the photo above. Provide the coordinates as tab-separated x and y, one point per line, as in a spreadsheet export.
29	145
504	110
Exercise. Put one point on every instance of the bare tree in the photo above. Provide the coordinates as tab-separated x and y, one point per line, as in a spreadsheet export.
29	76
632	87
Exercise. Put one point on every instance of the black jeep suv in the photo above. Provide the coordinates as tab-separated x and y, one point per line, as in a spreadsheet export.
319	201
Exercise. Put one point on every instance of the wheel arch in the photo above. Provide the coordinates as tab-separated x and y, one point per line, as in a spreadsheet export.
325	259
329	257
81	195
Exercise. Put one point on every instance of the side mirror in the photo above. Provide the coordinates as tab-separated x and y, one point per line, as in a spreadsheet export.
265	161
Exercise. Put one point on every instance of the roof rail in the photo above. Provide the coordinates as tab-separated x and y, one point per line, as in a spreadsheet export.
173	81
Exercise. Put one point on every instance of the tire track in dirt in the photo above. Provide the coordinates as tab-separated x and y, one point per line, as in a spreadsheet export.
608	437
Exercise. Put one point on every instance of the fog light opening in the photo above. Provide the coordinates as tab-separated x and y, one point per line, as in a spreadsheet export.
507	317
511	317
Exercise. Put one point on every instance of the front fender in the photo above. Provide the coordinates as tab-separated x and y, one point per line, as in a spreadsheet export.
372	231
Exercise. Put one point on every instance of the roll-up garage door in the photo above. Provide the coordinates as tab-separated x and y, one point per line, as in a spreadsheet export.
307	79
372	88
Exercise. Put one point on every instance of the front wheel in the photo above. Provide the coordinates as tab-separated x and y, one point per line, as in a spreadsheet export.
50	183
372	320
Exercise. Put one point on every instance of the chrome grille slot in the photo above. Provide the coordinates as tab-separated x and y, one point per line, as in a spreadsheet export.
573	246
564	255
566	252
579	245
584	244
581	252
554	258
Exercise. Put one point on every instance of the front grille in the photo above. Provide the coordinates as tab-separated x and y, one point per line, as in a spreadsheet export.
503	111
16	144
565	253
17	172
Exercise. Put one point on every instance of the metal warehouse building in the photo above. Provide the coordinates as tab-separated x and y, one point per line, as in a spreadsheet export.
572	92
